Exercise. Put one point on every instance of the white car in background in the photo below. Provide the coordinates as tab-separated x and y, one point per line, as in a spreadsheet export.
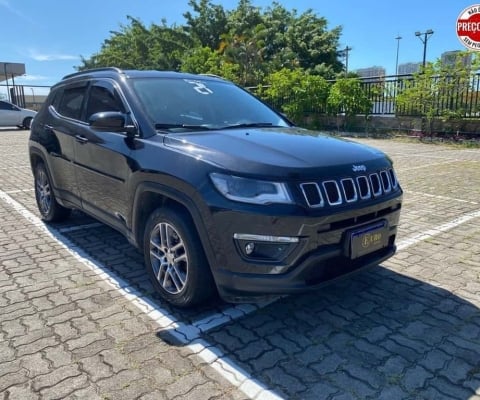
12	115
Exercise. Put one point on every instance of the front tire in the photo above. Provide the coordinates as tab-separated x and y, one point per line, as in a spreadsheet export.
50	209
175	260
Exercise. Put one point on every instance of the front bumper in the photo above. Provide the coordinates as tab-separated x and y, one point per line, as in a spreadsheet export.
321	256
319	269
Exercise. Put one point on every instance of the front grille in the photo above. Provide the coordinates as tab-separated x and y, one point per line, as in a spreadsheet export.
335	192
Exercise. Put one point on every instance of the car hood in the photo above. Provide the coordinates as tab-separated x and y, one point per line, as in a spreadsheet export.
275	151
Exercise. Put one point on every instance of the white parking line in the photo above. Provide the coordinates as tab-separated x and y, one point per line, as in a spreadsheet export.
427	165
15	167
19	191
437	230
441	197
188	335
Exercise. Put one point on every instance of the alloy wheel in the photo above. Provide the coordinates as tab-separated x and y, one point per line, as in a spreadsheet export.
44	192
168	257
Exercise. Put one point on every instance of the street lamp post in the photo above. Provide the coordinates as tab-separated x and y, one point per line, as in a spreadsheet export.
424	40
34	102
6	80
344	53
396	59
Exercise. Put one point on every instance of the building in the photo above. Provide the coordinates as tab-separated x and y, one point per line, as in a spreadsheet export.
409	68
449	58
371	72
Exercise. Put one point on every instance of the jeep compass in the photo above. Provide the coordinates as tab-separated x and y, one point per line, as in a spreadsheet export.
220	192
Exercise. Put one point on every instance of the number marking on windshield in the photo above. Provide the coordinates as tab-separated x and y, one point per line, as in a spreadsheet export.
200	87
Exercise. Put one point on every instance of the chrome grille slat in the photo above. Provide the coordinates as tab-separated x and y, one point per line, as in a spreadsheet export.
349	190
385	178
334	192
393	178
313	195
363	187
376	184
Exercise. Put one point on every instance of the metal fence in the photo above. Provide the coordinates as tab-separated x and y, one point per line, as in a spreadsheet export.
26	96
459	97
445	95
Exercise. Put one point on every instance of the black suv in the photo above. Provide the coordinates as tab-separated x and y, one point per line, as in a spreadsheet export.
221	192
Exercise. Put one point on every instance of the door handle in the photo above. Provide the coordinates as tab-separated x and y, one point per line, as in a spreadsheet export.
81	139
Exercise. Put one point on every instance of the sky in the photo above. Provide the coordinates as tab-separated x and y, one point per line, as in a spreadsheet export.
50	36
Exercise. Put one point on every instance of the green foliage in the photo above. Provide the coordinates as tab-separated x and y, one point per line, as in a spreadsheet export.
440	90
296	92
135	46
347	96
203	60
245	44
207	23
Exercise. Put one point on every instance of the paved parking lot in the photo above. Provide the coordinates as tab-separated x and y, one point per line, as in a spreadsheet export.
79	319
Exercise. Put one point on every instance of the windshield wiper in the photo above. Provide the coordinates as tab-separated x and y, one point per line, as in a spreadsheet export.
162	126
249	125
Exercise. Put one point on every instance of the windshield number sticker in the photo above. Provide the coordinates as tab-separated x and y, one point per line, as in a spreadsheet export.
200	87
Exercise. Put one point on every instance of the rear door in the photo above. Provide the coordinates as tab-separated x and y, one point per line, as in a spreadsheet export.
57	135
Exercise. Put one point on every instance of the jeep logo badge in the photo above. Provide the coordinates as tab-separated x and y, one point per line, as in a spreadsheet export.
359	168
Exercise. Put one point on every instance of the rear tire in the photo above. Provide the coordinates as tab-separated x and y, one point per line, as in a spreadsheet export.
50	209
175	260
27	122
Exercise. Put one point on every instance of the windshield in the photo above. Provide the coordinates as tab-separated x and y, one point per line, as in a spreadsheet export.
201	104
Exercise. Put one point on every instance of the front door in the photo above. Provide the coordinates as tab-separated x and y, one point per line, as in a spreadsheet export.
102	159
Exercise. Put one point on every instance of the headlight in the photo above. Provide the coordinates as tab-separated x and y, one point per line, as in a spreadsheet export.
250	190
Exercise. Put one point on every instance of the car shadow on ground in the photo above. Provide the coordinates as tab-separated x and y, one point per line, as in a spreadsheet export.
377	334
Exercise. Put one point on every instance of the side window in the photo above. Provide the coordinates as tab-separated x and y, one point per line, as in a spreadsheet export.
6	106
103	97
71	103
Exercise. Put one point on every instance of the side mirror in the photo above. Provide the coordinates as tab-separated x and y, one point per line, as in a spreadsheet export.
112	121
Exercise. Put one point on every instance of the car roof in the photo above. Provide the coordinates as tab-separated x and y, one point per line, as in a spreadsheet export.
113	72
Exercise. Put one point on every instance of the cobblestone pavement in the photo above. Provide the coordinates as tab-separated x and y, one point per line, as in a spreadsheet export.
79	319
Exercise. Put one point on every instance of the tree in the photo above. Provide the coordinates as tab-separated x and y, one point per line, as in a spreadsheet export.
315	47
135	46
296	93
207	24
203	60
244	51
245	44
348	97
440	90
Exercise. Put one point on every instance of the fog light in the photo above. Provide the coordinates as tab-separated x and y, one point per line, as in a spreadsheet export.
249	248
264	247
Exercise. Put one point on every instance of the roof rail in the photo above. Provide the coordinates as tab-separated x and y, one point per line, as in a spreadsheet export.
213	76
114	69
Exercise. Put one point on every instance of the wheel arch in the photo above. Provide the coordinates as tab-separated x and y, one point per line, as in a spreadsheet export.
150	196
35	158
26	122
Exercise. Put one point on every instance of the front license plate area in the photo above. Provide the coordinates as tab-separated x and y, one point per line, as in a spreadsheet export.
368	239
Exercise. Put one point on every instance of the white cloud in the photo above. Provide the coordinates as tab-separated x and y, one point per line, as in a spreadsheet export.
9	7
37	56
32	78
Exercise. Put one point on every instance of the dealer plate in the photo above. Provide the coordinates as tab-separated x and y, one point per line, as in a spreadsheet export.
368	239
